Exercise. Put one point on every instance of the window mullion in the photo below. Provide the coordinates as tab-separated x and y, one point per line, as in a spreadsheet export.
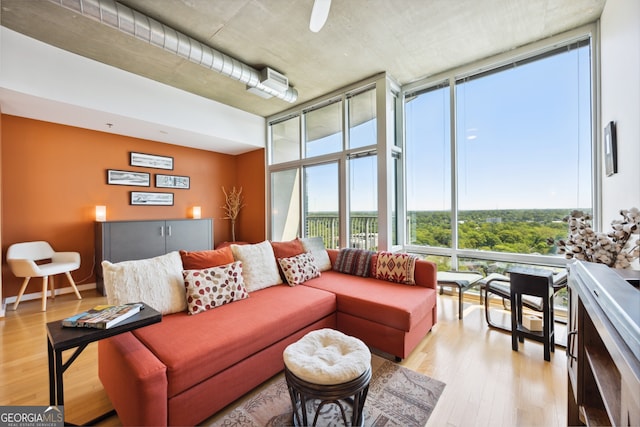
454	173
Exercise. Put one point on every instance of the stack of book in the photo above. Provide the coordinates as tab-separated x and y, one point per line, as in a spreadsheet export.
102	316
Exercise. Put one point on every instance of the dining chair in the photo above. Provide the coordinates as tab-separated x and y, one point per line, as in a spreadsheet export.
38	259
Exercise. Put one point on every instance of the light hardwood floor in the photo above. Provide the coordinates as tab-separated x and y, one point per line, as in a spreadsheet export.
487	384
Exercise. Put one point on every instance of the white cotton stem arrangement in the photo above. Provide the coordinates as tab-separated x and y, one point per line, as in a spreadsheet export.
233	204
616	248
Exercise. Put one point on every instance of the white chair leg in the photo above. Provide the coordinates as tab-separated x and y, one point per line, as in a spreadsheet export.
52	286
73	284
22	289
44	292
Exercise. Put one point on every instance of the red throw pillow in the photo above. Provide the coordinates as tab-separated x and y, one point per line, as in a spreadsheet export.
198	260
287	249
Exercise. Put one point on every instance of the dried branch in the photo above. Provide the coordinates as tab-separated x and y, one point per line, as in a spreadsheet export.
233	203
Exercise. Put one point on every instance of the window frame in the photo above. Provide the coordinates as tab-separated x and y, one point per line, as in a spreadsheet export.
387	93
451	77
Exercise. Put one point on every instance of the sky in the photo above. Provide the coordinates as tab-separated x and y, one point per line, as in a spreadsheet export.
524	141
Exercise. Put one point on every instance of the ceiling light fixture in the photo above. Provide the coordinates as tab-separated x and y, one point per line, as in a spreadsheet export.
319	14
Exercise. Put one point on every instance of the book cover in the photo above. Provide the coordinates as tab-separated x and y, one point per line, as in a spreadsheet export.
102	316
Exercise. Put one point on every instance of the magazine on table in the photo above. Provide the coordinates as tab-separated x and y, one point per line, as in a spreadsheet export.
103	316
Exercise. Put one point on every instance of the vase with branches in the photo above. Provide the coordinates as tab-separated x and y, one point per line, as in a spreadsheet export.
233	203
616	248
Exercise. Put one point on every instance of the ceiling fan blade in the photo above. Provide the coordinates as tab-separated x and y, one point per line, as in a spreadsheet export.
319	14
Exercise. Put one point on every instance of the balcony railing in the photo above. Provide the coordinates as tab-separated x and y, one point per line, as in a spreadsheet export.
363	230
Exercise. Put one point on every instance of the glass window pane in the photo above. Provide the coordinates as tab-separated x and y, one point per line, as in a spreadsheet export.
321	203
323	130
443	263
285	141
524	162
362	119
428	168
363	202
285	204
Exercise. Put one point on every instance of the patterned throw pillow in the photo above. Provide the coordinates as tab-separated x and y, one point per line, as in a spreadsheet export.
399	268
298	269
213	287
353	261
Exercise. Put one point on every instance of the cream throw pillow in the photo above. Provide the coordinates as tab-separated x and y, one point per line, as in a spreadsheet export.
259	266
157	282
315	245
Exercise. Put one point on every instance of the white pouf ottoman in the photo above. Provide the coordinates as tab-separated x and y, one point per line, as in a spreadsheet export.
327	367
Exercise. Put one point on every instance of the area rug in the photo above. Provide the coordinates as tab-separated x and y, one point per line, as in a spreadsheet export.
397	397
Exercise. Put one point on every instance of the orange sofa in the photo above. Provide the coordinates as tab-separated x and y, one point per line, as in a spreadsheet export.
186	368
387	316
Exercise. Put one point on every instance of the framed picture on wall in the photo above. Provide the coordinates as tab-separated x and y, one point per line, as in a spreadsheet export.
172	181
150	161
118	177
144	198
610	149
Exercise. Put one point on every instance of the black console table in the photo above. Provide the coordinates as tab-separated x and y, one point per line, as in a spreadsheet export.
60	338
603	347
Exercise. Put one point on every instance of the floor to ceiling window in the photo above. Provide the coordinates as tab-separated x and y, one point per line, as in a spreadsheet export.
428	167
521	153
363	171
488	162
324	181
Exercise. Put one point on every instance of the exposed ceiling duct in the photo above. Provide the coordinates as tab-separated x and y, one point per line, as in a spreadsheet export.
145	28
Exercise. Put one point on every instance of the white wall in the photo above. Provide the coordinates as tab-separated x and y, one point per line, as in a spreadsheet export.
620	79
43	82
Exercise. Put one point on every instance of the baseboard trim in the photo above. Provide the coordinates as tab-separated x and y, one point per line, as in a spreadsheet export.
38	295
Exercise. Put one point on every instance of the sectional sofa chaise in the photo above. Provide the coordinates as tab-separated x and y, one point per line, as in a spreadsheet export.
230	313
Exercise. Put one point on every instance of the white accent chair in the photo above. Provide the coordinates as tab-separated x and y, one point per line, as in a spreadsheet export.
22	258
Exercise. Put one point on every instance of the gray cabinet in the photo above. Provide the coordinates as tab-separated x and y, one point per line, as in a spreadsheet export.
604	348
117	241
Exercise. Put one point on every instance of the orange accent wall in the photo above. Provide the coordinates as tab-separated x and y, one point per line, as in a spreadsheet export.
54	175
251	223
